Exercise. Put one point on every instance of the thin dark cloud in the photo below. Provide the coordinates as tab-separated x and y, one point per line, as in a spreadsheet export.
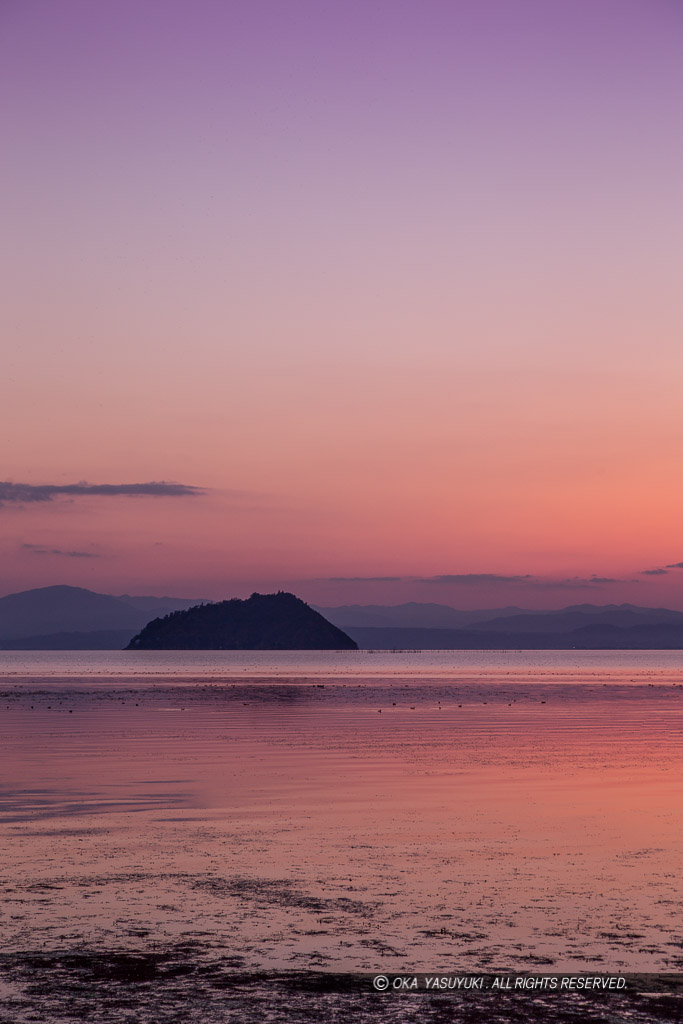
476	577
568	583
675	565
23	494
489	579
655	572
577	582
525	580
38	549
365	579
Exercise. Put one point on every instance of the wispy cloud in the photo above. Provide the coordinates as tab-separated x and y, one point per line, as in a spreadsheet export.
526	580
365	579
662	570
23	494
476	577
39	549
473	579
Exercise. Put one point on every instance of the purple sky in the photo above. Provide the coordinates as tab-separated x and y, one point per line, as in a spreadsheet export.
396	285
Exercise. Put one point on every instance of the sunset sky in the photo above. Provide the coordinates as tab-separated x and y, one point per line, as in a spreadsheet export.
389	290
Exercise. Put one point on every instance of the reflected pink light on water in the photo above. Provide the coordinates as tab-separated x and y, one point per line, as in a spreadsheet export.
353	823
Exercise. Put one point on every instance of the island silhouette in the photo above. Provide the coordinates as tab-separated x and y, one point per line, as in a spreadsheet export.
263	622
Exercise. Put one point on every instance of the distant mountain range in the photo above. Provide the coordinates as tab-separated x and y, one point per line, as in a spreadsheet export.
417	626
411	614
39	619
658	636
73	618
510	619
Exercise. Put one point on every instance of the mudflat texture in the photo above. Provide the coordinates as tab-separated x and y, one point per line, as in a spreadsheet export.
207	839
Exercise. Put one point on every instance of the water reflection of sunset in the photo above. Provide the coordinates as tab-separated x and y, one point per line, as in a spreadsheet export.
480	818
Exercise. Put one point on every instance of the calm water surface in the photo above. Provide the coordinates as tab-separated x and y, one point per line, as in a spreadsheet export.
346	811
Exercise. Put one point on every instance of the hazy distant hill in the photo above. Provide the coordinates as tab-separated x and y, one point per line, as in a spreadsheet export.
157	606
264	622
413	613
419	615
96	640
654	636
41	619
64	609
568	619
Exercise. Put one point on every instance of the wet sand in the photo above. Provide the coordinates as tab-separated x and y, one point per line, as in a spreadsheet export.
209	844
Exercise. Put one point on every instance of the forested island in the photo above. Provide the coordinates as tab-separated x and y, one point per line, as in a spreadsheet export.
264	622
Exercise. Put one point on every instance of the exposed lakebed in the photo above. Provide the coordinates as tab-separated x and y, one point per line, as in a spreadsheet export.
219	831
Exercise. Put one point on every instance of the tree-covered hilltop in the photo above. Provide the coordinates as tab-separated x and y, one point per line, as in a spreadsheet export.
264	622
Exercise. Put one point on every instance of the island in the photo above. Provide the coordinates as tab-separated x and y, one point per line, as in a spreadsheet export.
263	622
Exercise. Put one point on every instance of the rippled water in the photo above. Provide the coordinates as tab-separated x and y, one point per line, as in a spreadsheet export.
351	811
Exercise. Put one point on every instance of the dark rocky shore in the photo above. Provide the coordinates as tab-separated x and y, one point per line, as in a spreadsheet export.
180	984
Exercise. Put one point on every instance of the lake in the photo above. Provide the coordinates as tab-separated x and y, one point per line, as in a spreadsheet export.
254	813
